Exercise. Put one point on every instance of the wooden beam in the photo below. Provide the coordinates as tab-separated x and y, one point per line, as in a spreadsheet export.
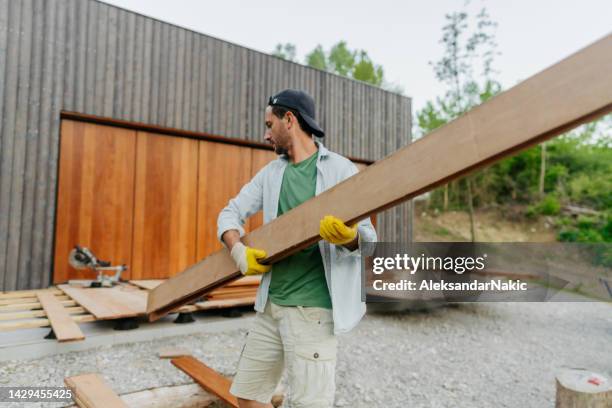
91	391
571	92
27	293
31	324
208	378
16	301
32	306
177	396
109	303
225	303
37	313
63	325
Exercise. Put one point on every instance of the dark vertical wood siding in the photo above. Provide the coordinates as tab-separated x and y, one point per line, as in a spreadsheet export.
94	58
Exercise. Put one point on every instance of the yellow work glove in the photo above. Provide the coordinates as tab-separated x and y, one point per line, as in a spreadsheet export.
248	259
335	231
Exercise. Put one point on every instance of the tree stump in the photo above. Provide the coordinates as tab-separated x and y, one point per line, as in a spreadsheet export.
577	388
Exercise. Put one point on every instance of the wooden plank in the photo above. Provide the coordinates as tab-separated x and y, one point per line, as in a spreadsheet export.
225	303
230	296
238	283
91	391
109	303
245	281
233	291
37	313
574	91
147	284
15	301
208	378
63	325
33	305
31	324
26	293
176	396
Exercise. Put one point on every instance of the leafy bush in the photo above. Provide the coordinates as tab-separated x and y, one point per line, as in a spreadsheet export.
548	206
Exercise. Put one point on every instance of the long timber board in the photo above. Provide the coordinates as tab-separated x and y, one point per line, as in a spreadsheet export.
64	326
109	303
574	91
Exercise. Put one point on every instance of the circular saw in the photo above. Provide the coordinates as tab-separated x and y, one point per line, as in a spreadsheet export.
83	258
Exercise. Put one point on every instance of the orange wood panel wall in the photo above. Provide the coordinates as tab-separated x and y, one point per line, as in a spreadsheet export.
165	205
95	195
224	169
148	200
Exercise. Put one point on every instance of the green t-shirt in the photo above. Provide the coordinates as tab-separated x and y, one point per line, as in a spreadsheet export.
299	280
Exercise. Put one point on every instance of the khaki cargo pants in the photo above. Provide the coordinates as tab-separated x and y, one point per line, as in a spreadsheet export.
300	338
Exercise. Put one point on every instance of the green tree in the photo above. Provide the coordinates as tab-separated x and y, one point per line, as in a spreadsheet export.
469	45
355	64
317	58
341	59
285	51
365	70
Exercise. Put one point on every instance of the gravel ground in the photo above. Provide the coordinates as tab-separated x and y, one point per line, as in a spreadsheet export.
470	355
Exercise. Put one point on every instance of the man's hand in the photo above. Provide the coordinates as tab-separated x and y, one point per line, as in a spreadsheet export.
335	231
248	259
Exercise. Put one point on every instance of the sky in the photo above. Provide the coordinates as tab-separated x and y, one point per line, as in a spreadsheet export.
402	36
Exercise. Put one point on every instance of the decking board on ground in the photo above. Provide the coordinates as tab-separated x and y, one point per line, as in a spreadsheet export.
109	303
208	378
63	325
91	391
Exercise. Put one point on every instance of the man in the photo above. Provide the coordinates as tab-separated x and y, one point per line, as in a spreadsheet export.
307	298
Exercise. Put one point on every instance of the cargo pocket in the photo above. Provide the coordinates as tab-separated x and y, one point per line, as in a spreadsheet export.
312	374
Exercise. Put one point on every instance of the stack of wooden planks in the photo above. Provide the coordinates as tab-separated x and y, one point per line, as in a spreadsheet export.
28	309
241	288
64	306
240	292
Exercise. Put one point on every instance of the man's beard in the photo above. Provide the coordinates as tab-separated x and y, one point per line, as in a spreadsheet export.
281	151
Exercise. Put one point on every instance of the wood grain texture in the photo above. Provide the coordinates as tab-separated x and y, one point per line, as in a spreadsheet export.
109	303
27	293
247	281
225	303
147	284
223	170
63	325
37	313
576	90
165	206
208	378
30	324
32	306
91	391
95	197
